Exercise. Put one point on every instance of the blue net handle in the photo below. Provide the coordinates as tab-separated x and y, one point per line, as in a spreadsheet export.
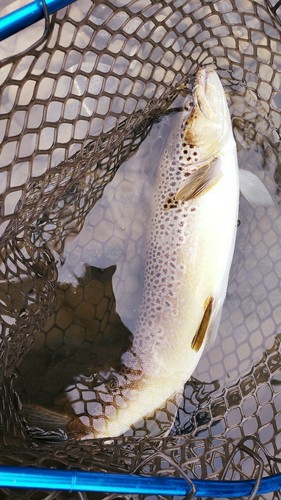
28	15
28	477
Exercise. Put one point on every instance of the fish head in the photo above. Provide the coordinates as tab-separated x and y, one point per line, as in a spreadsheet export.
208	127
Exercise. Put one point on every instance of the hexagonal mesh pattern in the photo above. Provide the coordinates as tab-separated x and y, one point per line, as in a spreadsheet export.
71	112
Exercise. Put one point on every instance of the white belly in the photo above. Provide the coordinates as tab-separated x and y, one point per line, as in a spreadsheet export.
188	261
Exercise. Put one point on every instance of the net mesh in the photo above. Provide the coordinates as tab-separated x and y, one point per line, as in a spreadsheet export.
71	112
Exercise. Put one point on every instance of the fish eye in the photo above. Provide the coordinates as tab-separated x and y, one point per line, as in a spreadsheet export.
189	105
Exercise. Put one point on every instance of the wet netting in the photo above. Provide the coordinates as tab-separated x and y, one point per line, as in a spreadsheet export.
73	108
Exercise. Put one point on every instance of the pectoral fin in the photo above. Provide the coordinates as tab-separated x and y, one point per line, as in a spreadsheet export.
199	182
253	189
203	329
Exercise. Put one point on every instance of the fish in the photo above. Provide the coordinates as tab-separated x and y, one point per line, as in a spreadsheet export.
190	241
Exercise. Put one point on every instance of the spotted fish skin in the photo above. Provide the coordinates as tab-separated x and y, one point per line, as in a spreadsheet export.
189	247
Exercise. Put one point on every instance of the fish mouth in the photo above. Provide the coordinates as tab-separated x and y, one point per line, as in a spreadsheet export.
200	91
201	77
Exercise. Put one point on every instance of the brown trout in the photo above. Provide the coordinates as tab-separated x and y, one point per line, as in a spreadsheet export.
189	247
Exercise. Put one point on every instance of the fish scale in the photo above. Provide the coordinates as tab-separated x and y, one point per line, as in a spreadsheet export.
189	247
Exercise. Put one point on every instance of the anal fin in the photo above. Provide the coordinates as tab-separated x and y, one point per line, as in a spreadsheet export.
200	335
